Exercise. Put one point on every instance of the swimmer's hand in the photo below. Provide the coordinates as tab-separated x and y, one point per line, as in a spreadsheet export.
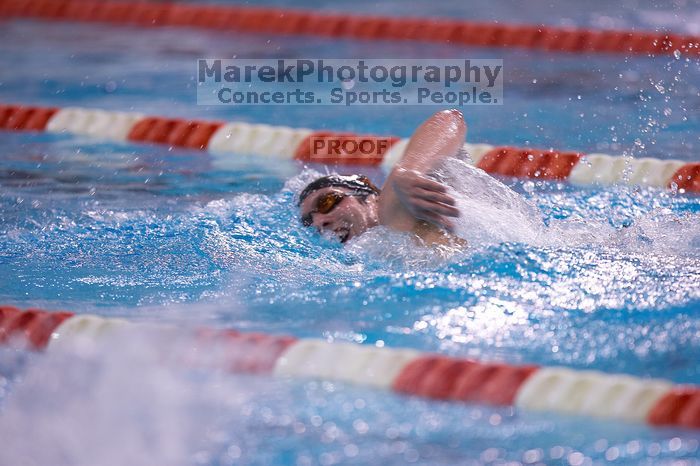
424	198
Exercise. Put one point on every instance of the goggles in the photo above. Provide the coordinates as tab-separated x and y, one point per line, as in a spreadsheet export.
355	183
325	204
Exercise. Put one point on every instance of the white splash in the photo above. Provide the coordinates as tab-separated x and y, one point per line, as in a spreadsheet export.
121	402
490	212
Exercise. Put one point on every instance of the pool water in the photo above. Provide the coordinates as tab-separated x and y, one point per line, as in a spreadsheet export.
150	233
638	106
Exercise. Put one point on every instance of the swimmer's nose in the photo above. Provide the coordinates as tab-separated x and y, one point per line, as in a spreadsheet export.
322	222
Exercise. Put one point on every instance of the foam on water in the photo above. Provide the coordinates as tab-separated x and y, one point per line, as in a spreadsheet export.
137	396
111	404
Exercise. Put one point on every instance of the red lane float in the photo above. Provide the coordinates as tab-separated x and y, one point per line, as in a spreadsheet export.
367	27
458	379
679	407
24	117
529	163
687	178
174	132
33	326
252	353
405	371
345	148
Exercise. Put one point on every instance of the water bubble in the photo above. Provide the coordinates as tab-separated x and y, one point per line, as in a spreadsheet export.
110	87
633	447
489	455
674	444
601	445
556	452
316	421
360	426
532	456
327	459
654	449
351	450
576	458
612	454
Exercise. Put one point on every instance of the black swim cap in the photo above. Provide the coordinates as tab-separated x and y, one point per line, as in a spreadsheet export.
357	183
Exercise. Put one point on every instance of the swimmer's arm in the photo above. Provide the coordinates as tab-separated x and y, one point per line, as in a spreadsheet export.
439	137
408	194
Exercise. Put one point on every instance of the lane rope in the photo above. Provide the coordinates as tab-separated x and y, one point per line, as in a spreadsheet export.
355	26
406	371
224	139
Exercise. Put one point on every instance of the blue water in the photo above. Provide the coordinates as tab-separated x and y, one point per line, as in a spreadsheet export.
155	234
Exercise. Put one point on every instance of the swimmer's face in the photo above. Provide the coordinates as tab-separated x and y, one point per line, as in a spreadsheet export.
340	212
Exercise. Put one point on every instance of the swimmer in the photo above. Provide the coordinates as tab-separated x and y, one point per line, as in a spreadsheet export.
410	201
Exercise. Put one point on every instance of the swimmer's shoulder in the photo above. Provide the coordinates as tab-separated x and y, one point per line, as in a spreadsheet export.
434	236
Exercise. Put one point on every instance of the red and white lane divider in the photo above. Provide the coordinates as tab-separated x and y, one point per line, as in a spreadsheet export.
342	25
221	138
406	371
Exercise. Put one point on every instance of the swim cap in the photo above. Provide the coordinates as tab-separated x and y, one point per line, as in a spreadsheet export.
357	183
